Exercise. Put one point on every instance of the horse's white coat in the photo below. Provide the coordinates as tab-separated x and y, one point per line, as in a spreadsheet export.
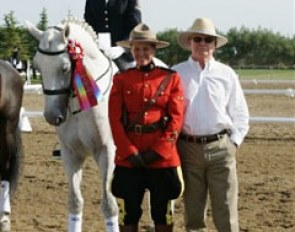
88	132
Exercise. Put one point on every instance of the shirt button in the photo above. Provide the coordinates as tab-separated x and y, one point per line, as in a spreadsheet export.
146	85
106	12
146	113
107	26
145	100
146	74
107	19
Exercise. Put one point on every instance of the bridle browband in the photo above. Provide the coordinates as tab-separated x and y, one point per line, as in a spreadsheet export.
65	50
49	53
54	53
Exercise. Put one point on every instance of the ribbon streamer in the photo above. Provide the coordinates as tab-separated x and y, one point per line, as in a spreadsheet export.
85	87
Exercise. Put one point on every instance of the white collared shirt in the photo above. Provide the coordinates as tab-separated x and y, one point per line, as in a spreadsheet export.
214	100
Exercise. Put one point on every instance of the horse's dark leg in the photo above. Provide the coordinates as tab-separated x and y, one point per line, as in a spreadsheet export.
5	157
5	207
9	165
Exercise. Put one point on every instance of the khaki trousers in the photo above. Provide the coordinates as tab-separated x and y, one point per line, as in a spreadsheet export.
210	169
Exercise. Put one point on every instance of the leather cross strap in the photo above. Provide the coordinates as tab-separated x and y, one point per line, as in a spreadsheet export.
151	102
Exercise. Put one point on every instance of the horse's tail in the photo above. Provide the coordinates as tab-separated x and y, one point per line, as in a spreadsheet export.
16	161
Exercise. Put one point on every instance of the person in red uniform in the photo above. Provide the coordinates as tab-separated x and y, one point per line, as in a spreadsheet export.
146	155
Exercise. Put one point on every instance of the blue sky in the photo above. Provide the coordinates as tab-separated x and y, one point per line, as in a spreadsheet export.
276	15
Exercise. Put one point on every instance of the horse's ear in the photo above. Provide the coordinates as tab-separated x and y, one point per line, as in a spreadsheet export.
34	31
67	31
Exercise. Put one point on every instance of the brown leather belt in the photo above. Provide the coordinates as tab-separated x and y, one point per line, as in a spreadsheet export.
204	139
146	129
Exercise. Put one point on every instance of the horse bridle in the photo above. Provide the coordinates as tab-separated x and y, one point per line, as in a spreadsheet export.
69	89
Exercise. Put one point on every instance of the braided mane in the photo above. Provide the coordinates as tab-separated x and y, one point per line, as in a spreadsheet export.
83	24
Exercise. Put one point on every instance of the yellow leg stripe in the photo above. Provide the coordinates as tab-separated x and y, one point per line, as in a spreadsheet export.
122	212
180	176
169	216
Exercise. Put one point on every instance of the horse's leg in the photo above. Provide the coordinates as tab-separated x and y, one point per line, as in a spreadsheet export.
5	208
73	167
8	153
109	205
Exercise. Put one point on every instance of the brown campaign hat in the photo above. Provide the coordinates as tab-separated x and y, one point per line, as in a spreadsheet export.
142	33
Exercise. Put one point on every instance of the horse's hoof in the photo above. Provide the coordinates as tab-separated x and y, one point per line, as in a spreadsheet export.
5	223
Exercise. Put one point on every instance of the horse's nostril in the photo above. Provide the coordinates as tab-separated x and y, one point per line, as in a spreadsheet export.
59	120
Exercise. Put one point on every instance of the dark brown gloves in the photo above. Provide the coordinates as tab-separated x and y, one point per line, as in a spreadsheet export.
150	157
136	161
144	159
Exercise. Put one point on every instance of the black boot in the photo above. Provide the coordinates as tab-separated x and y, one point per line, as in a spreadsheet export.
129	228
163	228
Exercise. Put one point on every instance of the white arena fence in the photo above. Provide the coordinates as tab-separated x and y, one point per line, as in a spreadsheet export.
37	89
256	82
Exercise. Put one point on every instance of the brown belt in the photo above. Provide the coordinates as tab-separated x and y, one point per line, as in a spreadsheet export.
203	139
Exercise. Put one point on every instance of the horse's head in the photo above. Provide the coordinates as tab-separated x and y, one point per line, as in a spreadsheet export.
53	62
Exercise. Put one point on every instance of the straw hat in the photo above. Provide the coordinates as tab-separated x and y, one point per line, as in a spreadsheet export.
202	26
142	33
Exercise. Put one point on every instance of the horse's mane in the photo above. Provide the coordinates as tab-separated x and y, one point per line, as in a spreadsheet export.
83	25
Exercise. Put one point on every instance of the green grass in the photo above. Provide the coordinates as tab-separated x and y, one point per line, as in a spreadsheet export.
266	74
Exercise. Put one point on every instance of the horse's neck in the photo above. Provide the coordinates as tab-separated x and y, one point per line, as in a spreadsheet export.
94	60
97	64
101	69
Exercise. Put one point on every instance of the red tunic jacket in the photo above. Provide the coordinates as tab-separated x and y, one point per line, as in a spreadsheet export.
133	88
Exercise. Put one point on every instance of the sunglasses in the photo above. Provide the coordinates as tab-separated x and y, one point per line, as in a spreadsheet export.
208	39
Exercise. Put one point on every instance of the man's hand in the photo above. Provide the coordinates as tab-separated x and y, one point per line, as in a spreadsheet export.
150	157
136	161
114	52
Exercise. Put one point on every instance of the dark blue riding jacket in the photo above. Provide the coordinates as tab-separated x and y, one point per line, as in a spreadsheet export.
118	17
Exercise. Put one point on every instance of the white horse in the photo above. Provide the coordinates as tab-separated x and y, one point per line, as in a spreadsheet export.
84	133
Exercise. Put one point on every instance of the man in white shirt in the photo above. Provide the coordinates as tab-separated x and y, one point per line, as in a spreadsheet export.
216	120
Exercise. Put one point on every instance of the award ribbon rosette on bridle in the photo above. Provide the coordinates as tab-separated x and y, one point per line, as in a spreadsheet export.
85	87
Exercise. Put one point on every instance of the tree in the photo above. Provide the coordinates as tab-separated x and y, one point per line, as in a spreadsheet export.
10	37
43	23
174	53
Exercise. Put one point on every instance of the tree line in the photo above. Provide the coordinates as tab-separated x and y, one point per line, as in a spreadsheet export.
247	48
